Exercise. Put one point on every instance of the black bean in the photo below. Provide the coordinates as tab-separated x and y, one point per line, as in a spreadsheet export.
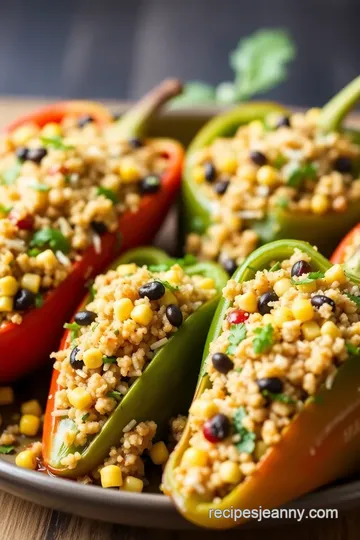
74	363
174	315
84	318
343	164
284	121
222	362
221	187
24	299
320	299
99	227
217	428
258	158
264	300
230	266
154	290
150	184
271	384
21	153
36	154
300	268
84	120
135	142
209	171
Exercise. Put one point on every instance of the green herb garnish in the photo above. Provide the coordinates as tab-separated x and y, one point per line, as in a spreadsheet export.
352	349
109	359
39	301
85	417
108	193
9	176
33	252
247	438
276	267
312	276
40	187
6	449
283	398
237	334
282	202
279	161
353	298
74	329
55	142
5	209
300	173
115	395
52	238
168	285
188	260
264	338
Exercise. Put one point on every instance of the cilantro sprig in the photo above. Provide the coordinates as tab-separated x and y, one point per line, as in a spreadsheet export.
247	438
264	338
352	349
6	449
168	285
115	395
299	173
51	238
56	142
237	334
109	359
310	278
108	193
353	298
74	330
283	398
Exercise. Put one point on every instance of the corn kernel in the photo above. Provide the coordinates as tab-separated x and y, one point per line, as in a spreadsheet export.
204	409
93	358
47	259
302	309
22	134
159	454
142	314
206	283
260	449
6	395
267	176
310	330
8	286
307	287
268	319
32	407
281	286
128	170
6	303
31	282
51	130
126	269
228	164
168	298
247	301
330	329
282	315
37	199
111	476
123	309
29	425
230	473
198	174
26	459
320	204
335	273
247	172
133	484
173	276
194	457
80	398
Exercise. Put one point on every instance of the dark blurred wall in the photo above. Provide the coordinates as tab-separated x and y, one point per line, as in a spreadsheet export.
119	48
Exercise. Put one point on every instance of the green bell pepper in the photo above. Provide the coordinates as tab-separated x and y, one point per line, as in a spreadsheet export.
163	390
321	444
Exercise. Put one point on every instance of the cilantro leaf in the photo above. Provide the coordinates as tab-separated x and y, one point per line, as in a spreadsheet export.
5	209
279	161
9	176
283	398
108	193
115	395
355	299
109	359
352	349
40	187
168	285
264	338
237	334
312	276
55	142
33	252
6	449
247	438
276	266
50	237
195	93
85	417
300	173
74	329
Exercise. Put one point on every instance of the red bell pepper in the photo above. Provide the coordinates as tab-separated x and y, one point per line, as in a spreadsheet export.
24	347
339	255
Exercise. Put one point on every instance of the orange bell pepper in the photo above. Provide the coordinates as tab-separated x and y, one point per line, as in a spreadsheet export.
340	254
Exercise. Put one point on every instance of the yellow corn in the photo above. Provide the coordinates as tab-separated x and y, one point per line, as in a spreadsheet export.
111	476
302	309
267	176
281	286
32	407
307	287
204	409
142	314
80	398
126	269
230	473
194	457
47	259
22	134
31	282
128	170
6	303
247	172
320	204
93	358
268	319
330	329
51	130
123	309
29	425
335	273
26	459
206	283
159	454
133	484
6	395
282	315
8	286
228	164
168	298
198	174
310	330
247	302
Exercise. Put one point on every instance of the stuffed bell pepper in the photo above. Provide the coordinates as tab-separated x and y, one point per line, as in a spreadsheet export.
76	186
348	251
259	173
128	362
277	408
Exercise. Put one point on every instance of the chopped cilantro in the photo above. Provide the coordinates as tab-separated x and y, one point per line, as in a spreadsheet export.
264	338
283	398
352	349
85	417
168	285
282	202
237	334
355	299
247	438
276	266
108	193
55	142
6	449
109	359
33	252
5	209
312	276
39	301
40	187
300	173
74	329
52	238
115	395
10	175
279	161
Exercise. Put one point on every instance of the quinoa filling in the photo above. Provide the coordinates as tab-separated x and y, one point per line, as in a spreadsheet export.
62	187
134	312
286	333
283	163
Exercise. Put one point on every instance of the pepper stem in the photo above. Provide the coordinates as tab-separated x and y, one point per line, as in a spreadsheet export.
132	121
336	109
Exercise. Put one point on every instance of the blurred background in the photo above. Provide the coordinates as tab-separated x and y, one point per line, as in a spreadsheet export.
120	48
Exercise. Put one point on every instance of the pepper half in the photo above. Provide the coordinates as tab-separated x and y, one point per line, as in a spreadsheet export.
351	264
24	347
164	389
321	444
323	231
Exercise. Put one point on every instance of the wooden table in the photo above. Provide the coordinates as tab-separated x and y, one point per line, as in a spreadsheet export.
20	520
